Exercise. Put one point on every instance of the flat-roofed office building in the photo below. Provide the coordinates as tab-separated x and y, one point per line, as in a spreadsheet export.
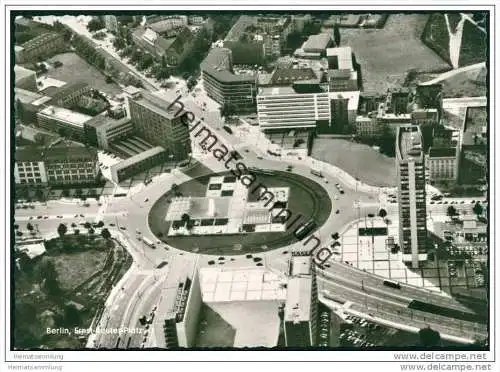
223	85
284	108
410	166
159	124
58	119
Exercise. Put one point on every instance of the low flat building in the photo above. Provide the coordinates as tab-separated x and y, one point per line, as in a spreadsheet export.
68	94
315	46
367	126
25	78
138	163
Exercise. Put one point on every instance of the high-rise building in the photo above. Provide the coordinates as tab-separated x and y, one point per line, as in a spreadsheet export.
410	166
300	313
159	124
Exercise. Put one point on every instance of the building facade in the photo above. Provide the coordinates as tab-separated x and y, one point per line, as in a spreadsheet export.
58	165
443	164
63	121
301	306
102	130
158	123
284	108
410	166
138	163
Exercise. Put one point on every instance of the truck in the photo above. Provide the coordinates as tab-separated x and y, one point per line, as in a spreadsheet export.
316	172
148	242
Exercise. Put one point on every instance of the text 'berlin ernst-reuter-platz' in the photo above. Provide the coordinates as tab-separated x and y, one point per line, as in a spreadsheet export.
230	180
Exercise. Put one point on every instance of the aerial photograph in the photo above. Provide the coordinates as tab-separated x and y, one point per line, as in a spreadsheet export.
280	180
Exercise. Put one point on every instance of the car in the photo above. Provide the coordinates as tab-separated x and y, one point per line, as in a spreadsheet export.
111	224
337	211
60	217
146	200
123	228
39	217
342	191
259	157
82	215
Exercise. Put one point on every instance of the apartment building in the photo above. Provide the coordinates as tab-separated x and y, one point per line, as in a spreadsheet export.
55	165
410	167
225	87
301	306
159	125
69	94
442	164
367	126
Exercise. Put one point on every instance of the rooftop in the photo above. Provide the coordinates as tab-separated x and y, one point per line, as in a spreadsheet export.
409	142
218	64
442	152
104	120
139	157
301	265
71	117
317	42
65	90
60	151
286	76
21	72
26	96
344	57
298	299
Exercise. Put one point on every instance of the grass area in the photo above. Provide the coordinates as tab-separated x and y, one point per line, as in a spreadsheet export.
464	84
307	198
385	55
473	48
213	330
88	262
86	73
66	287
356	159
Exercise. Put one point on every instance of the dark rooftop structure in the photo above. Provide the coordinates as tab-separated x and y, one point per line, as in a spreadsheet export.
442	152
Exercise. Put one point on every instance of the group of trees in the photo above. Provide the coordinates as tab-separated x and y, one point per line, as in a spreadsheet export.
88	52
95	24
477	209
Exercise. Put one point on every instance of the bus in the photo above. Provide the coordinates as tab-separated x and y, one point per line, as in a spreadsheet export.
392	284
148	242
305	229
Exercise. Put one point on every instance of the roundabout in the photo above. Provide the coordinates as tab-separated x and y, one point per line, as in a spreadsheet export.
306	200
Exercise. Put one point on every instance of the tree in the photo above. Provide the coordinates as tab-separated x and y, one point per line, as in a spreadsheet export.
62	229
336	34
30	227
451	211
478	209
76	231
16	226
106	234
382	213
71	315
91	231
185	218
100	224
49	274
429	337
95	24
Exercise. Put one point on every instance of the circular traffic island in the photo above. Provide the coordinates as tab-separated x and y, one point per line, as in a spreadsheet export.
219	214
